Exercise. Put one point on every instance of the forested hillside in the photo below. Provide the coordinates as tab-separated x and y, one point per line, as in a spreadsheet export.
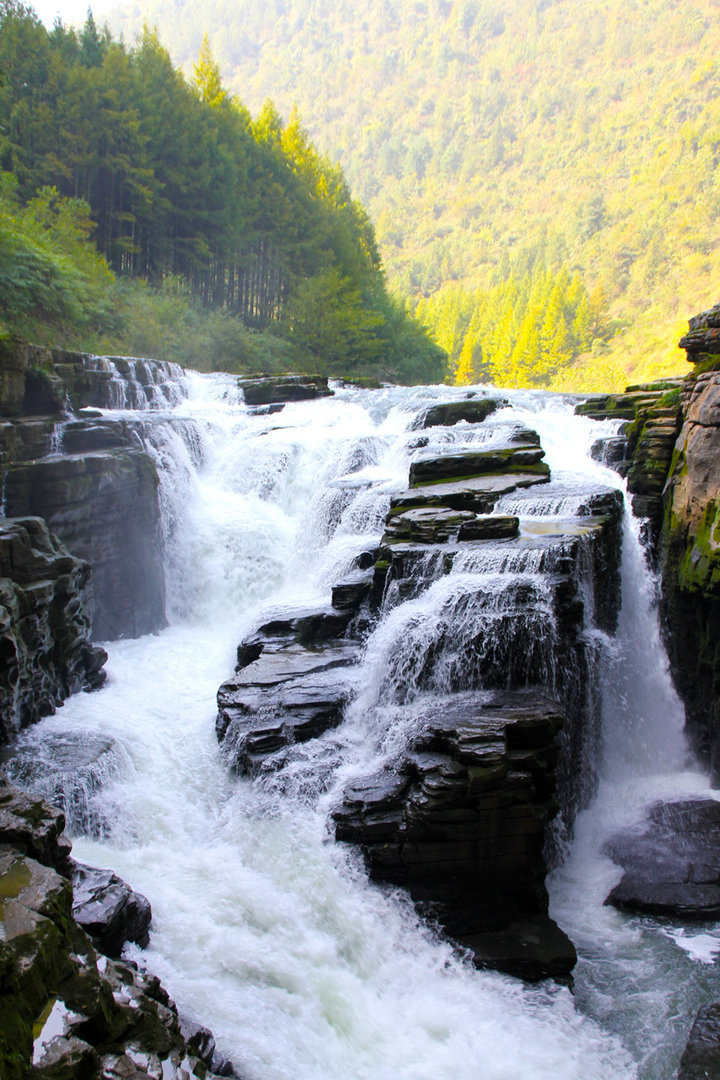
504	146
203	219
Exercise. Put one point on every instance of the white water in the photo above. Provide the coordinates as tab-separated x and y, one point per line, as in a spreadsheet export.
263	929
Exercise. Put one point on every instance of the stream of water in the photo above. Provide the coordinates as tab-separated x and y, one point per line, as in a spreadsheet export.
263	929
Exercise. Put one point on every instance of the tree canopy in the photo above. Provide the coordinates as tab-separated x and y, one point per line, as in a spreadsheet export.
173	179
474	129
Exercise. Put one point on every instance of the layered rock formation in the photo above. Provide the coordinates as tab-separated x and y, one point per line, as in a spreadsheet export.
691	564
45	649
266	390
644	452
460	822
90	478
459	818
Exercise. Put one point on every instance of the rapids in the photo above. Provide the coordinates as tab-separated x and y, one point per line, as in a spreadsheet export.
264	929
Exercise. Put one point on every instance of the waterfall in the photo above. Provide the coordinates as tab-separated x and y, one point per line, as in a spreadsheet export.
264	929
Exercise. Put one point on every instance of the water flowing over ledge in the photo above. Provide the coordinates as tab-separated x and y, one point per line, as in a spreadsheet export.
262	927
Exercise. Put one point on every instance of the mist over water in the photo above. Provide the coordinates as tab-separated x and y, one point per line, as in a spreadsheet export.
263	928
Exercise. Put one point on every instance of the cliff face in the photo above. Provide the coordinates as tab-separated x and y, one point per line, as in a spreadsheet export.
90	478
671	454
691	563
45	648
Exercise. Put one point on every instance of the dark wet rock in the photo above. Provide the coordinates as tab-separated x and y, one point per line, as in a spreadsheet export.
70	770
701	1057
293	679
267	410
71	1012
108	910
425	525
472	411
460	822
489	527
201	1042
286	696
351	593
103	506
531	948
500	460
29	826
671	862
23	440
268	390
45	648
440	524
478	494
612	451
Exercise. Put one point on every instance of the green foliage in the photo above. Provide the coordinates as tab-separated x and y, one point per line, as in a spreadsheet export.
525	330
231	225
327	316
48	269
469	127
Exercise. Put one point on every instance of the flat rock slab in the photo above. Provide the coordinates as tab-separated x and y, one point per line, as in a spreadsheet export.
425	525
282	388
284	665
672	863
502	459
472	493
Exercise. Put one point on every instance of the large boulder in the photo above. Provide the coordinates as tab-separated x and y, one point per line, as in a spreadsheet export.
672	863
471	411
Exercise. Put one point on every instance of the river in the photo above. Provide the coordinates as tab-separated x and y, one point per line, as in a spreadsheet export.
263	928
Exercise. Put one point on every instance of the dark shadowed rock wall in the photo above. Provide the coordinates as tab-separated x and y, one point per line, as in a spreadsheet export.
45	648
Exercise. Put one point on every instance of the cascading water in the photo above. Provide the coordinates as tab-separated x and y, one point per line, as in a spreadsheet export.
262	928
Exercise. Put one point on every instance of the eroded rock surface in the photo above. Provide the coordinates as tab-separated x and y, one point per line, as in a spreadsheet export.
45	649
691	564
293	679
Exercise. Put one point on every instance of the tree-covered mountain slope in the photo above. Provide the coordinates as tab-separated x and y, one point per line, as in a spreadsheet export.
497	140
181	188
